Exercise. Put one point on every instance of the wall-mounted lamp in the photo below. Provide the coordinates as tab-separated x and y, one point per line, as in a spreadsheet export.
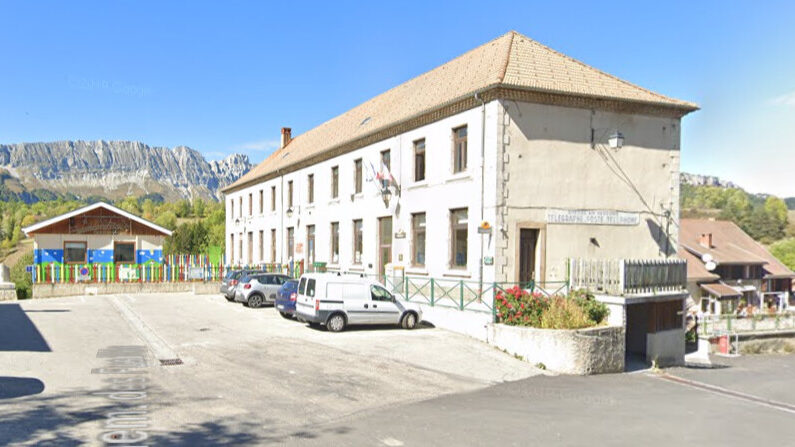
289	212
616	140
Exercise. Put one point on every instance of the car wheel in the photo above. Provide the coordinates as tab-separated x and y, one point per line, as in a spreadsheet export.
409	321
336	323
286	315
254	301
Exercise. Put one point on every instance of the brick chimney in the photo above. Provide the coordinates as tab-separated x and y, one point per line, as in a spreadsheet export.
286	136
705	240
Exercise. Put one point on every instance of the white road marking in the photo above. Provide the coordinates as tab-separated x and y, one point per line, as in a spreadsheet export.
726	392
160	349
392	442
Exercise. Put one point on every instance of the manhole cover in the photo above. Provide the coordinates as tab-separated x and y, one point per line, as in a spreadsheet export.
204	329
170	362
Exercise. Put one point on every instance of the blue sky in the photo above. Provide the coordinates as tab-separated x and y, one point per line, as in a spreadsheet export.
224	77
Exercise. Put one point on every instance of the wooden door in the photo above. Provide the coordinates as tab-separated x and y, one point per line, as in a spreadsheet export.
384	243
528	240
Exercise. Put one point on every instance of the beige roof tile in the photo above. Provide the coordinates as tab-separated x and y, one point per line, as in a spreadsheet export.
511	60
730	245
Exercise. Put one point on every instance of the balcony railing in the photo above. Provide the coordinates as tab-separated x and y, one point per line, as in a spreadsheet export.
628	276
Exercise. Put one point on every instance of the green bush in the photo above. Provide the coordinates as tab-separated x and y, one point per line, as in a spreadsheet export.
21	278
596	310
565	313
577	310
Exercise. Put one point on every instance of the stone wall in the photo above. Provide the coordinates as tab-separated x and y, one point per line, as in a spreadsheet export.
73	289
578	351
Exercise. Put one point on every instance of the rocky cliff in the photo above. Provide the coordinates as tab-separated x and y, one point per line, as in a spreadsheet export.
705	180
119	168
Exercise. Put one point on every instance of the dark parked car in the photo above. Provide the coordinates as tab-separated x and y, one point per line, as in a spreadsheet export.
285	299
229	282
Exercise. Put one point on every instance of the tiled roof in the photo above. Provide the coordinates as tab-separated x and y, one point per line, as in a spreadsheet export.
730	245
695	268
510	61
720	290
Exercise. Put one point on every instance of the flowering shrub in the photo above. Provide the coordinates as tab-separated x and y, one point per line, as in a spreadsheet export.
519	307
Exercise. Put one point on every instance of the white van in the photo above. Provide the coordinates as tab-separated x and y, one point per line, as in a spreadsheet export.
336	301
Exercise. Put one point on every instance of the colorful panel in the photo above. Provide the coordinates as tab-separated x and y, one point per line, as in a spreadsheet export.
44	256
100	255
144	256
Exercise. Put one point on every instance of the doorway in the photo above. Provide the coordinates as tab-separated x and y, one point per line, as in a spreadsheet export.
384	244
528	240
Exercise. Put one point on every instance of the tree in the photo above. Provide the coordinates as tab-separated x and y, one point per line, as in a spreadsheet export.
785	252
188	238
763	226
167	220
183	208
20	277
738	206
198	207
130	204
776	208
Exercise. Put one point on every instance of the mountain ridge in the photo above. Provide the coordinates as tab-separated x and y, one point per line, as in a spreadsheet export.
114	169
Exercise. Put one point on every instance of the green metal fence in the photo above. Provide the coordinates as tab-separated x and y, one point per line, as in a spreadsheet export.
460	294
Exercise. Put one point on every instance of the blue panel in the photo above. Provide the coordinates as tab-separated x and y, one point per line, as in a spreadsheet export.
144	256
100	255
46	256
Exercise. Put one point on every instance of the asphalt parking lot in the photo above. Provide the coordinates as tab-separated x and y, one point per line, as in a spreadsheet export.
244	372
86	371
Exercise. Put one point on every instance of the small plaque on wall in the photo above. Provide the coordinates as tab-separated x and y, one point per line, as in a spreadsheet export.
488	260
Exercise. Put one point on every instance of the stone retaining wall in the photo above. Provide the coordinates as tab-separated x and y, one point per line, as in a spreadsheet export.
577	351
72	289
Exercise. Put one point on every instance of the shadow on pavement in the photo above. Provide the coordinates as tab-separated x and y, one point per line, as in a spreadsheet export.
11	387
18	332
378	327
246	433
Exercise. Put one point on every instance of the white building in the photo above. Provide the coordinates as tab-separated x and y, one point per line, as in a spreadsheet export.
511	133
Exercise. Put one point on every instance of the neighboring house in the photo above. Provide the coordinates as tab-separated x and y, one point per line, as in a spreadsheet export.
513	134
726	268
98	234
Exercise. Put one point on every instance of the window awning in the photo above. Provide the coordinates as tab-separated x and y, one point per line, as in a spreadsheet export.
720	290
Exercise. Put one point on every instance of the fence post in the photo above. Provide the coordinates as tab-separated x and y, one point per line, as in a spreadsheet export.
432	300
461	293
494	302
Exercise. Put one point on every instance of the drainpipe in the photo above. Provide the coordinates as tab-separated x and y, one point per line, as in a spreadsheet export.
482	185
280	233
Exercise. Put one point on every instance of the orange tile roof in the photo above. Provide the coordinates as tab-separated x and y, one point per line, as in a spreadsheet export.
510	61
730	245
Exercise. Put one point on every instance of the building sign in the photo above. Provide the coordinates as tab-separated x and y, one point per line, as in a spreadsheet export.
196	273
592	217
128	273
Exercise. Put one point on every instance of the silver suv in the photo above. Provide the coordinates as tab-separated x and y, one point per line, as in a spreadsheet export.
256	289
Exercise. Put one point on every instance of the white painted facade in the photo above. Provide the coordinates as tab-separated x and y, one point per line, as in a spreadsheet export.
440	192
537	158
